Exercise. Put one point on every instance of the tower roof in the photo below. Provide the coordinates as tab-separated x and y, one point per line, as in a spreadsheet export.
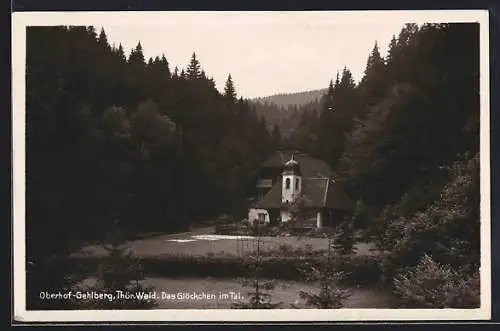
292	167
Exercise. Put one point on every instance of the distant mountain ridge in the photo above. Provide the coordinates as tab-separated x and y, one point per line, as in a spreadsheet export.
289	99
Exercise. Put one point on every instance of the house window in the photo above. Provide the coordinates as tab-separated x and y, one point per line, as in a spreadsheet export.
287	183
262	217
296	183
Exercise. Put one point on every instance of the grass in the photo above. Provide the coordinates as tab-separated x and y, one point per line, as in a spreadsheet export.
285	291
160	245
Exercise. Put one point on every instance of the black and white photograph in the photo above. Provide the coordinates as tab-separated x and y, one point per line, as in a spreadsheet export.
251	166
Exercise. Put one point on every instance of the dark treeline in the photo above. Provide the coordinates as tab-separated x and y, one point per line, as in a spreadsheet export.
129	139
406	141
291	99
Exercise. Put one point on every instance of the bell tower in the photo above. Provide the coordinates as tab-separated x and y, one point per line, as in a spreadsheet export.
292	181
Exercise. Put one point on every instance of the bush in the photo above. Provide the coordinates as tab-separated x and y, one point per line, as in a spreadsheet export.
432	285
224	219
321	232
51	275
231	229
447	229
119	270
283	263
360	270
344	241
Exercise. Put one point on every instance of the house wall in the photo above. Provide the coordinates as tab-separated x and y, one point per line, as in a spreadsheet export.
253	214
285	216
288	195
319	219
315	216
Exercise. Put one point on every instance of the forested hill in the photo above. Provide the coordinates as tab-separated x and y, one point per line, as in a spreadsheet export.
131	140
406	141
288	99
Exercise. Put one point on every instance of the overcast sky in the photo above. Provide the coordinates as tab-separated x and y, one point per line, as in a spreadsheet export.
266	53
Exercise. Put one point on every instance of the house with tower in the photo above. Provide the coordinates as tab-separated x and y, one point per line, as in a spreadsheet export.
289	175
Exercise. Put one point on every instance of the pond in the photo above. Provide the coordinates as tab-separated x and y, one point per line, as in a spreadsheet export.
210	293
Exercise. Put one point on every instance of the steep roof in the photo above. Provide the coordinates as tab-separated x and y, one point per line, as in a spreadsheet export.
337	198
309	166
319	193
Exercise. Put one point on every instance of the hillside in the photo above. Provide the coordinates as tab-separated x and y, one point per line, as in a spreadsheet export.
288	99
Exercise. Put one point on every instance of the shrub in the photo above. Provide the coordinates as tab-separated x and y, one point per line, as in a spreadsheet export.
231	229
329	295
224	219
118	271
447	229
283	263
260	295
52	275
360	270
344	241
321	232
432	285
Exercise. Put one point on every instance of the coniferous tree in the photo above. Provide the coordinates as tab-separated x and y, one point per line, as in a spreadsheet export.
391	50
119	275
193	71
229	89
165	66
276	134
103	40
260	297
175	75
121	54
344	241
330	295
374	65
136	58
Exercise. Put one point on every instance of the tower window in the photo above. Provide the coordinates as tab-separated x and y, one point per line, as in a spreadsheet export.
296	183
287	183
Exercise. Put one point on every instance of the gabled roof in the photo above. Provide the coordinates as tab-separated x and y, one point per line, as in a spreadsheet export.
336	197
319	193
309	166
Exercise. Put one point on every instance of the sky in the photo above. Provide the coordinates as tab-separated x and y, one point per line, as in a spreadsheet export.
265	53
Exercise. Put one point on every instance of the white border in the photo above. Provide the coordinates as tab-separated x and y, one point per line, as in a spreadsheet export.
21	20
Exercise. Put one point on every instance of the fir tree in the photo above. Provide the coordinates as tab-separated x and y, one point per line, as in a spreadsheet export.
260	296
330	295
374	64
346	81
229	90
165	65
276	136
175	75
103	40
344	242
392	49
193	70
330	95
119	272
337	81
136	57
121	54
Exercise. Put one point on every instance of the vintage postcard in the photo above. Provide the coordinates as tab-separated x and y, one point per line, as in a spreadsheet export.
251	166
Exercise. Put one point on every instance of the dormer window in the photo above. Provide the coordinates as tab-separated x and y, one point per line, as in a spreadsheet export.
287	183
